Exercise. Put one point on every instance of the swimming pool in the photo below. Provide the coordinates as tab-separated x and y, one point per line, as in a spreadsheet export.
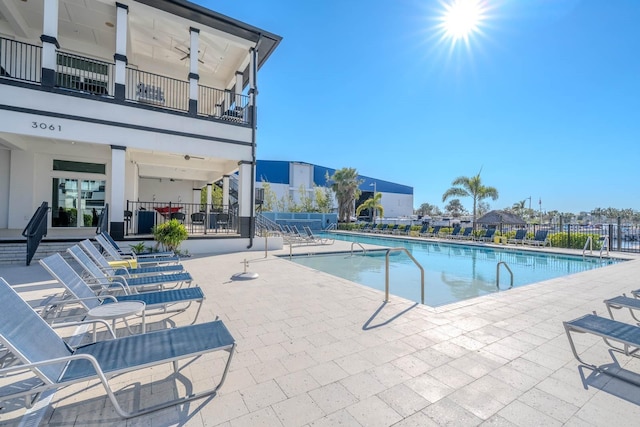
453	271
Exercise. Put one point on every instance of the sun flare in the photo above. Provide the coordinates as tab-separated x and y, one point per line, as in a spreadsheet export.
462	18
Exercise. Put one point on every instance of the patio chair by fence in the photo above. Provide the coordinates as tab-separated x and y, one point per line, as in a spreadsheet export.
55	365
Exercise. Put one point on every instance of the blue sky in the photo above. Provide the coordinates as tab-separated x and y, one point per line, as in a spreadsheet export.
545	98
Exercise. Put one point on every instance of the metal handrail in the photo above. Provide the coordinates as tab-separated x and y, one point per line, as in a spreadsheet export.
364	251
331	226
498	274
605	245
35	230
589	243
386	275
103	221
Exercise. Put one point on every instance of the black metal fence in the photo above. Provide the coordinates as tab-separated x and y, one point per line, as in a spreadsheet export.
223	104
84	74
23	62
141	217
155	89
614	237
20	61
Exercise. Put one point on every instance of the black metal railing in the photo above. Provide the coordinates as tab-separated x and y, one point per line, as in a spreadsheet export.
154	89
617	236
23	62
84	74
223	104
143	216
103	220
35	230
20	61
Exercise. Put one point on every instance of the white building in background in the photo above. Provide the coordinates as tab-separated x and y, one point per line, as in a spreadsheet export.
106	101
287	178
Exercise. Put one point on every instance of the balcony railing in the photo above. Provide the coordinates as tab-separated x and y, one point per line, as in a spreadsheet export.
84	74
154	89
23	62
20	61
223	104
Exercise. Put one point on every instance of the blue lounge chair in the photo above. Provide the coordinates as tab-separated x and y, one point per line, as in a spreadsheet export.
146	260
85	296
610	331
539	239
132	284
454	233
435	232
122	252
520	236
467	234
53	364
488	235
390	230
423	230
102	262
383	228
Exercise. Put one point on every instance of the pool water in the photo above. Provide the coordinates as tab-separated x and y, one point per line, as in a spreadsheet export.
453	272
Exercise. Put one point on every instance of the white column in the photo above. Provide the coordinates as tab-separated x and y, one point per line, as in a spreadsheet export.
50	43
122	24
225	192
239	79
245	195
118	163
194	42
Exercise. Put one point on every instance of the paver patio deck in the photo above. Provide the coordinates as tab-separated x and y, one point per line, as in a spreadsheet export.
316	350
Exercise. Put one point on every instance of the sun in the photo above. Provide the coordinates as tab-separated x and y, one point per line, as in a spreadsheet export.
461	19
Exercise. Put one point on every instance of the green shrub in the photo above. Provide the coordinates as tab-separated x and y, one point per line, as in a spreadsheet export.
578	240
170	234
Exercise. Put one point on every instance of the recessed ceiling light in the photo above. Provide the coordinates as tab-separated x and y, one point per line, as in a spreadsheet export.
109	24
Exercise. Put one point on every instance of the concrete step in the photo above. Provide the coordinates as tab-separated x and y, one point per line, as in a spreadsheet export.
16	252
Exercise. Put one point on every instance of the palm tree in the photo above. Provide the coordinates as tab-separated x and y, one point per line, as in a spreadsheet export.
470	187
345	184
374	205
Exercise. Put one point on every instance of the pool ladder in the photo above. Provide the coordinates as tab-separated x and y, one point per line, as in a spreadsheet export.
386	273
364	251
498	274
589	243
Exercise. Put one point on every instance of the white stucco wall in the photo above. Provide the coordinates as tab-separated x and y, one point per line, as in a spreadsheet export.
165	190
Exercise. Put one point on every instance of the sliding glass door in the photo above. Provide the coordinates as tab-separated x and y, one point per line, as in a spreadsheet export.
76	202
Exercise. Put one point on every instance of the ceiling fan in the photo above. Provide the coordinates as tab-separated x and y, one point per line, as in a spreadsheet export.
187	53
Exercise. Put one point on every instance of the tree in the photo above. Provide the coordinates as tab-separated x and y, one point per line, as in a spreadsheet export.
471	187
270	198
428	210
324	199
345	183
374	206
216	196
455	208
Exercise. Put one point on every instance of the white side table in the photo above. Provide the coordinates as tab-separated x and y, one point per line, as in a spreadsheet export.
116	310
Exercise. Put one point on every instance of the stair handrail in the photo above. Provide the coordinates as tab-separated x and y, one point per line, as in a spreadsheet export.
35	230
103	221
